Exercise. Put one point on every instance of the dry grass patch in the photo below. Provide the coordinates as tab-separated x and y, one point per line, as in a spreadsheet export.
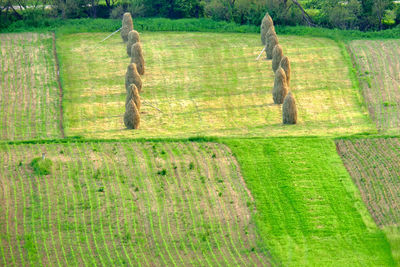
207	84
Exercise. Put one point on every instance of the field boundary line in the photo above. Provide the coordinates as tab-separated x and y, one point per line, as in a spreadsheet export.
59	85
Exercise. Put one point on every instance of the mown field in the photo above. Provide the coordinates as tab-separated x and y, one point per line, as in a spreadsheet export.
207	84
29	94
374	167
379	66
308	210
146	204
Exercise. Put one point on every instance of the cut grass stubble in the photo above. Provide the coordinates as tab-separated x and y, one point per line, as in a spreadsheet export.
207	84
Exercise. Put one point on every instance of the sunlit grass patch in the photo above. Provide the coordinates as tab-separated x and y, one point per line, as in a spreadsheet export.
207	84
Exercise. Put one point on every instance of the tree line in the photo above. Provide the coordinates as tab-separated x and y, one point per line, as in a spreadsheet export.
343	14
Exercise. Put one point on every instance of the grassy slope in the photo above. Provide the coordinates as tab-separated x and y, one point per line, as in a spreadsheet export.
309	211
114	204
373	165
379	67
207	84
29	95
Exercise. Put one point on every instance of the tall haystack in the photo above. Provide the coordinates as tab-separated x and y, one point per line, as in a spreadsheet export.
277	54
289	110
266	24
280	87
137	57
133	94
133	37
127	26
132	77
285	65
131	116
271	43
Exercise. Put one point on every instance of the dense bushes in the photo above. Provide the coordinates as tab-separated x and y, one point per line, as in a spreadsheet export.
352	14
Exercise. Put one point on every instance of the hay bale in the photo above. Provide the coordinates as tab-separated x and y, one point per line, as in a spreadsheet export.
277	54
271	31
280	87
285	65
266	24
271	43
289	110
127	26
133	38
133	94
131	116
137	57
132	77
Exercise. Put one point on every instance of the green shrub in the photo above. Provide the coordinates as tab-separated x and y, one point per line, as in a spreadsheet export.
41	166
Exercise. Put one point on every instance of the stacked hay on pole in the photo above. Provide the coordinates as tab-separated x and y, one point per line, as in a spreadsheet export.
132	77
131	116
285	65
280	87
133	38
132	102
289	110
266	24
127	26
137	57
271	43
133	93
277	54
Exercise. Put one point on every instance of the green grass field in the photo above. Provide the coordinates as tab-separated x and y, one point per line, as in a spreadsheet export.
379	67
29	94
207	84
308	204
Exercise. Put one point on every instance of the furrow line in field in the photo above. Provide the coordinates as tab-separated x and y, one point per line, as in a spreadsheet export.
151	170
172	191
235	175
138	156
215	205
119	219
79	147
137	224
14	218
208	206
122	179
73	206
190	195
220	170
109	207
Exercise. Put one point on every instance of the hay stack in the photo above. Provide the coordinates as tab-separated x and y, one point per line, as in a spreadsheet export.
289	110
133	37
280	87
131	116
133	94
137	57
285	65
266	24
132	77
277	54
127	26
271	43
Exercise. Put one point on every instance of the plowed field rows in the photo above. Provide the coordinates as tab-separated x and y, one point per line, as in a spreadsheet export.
29	93
379	64
146	204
